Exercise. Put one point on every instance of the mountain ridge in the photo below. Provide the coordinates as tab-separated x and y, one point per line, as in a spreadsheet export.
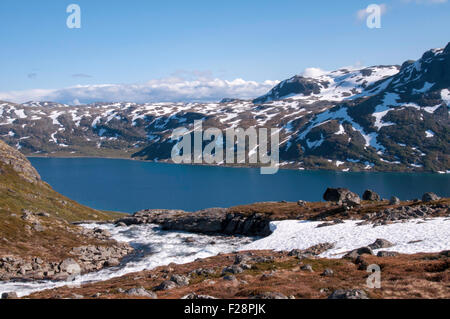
379	118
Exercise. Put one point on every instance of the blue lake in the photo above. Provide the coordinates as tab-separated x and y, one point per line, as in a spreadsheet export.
129	186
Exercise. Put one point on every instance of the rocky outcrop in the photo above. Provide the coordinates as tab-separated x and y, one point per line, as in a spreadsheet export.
370	195
342	196
430	197
209	221
85	259
396	214
312	251
18	163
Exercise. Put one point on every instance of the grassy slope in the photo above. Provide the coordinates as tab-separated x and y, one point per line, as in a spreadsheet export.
59	235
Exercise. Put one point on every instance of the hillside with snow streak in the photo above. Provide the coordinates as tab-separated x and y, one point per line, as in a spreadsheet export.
380	118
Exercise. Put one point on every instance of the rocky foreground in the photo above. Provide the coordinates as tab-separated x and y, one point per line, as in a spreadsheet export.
277	275
289	274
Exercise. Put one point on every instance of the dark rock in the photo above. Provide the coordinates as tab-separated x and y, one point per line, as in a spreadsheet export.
235	269
166	285
43	214
9	295
357	252
203	272
207	221
342	196
371	196
327	273
349	294
394	201
430	197
230	278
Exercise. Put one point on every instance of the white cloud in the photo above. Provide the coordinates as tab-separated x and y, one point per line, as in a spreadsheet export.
313	72
162	90
362	14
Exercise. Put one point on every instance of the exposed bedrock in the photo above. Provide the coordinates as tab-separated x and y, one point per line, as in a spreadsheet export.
208	221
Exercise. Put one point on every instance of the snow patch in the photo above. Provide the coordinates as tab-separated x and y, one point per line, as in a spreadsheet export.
434	236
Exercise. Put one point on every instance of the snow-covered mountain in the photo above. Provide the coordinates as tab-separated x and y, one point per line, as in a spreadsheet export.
337	85
387	118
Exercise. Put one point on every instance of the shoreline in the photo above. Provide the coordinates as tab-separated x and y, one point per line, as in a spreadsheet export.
239	166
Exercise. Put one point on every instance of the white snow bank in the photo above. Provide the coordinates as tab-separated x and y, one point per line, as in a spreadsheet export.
434	236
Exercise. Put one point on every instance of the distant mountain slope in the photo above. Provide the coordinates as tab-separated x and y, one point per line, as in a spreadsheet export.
380	118
329	86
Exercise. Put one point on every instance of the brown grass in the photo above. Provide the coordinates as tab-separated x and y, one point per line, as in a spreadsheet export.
405	276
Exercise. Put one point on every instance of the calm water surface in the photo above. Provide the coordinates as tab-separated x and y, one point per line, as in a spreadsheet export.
129	186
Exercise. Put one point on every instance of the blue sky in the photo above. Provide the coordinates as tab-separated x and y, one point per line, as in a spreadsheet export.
136	41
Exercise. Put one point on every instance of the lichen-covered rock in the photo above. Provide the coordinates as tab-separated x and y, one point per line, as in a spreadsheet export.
18	162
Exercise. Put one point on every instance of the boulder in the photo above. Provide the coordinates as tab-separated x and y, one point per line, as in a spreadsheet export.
141	292
370	195
180	280
235	269
301	203
307	268
430	197
166	285
342	196
9	295
394	201
327	273
349	294
70	267
381	243
230	278
358	252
